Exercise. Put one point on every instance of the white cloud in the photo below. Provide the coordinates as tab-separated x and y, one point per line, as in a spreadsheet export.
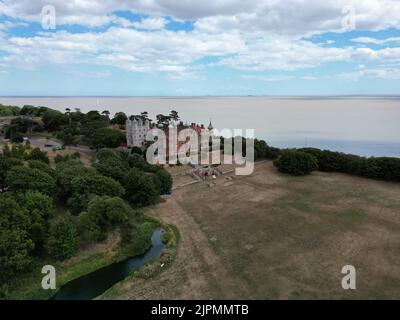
368	40
382	72
270	79
256	35
279	16
90	74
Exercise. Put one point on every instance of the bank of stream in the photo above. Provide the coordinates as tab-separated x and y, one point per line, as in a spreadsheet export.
94	284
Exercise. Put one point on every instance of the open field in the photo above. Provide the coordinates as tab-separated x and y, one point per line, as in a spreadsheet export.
272	236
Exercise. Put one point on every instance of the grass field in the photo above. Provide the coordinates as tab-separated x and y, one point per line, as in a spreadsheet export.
272	236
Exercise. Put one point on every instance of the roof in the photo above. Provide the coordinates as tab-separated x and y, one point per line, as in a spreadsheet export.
210	126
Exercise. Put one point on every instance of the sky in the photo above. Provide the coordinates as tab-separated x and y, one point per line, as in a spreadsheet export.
199	48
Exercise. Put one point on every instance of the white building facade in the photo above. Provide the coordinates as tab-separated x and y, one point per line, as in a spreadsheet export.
136	131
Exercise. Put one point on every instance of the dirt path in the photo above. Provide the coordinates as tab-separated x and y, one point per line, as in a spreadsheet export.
196	269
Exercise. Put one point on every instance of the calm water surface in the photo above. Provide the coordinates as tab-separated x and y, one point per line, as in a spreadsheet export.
94	284
367	126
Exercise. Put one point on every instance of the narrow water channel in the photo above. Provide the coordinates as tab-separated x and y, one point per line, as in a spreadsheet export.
94	284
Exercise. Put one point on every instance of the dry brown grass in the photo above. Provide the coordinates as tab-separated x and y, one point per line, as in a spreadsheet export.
272	236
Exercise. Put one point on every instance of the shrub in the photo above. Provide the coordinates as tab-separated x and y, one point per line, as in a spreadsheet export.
164	180
296	163
137	161
62	242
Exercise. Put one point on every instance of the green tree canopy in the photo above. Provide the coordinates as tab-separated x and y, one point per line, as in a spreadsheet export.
297	163
107	138
21	179
62	242
104	214
53	120
164	180
86	186
66	172
39	155
15	244
141	189
119	118
42	166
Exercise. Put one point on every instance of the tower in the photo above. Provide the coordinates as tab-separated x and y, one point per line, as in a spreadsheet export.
136	130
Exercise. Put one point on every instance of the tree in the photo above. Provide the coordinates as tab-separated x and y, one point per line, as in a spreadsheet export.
296	163
66	172
106	153
85	187
137	161
68	113
69	139
106	113
42	166
6	164
162	119
28	110
112	167
53	120
15	248
39	208
137	150
174	115
98	185
62	242
15	244
140	187
21	179
164	180
107	138
39	155
9	111
104	214
17	137
119	118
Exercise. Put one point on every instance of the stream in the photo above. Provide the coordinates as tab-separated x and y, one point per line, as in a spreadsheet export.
94	284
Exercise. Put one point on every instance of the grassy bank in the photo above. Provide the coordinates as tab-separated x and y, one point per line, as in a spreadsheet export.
28	286
152	268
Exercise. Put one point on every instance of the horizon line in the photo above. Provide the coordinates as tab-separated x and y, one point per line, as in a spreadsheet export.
201	96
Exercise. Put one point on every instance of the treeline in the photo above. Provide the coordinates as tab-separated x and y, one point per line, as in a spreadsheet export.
72	127
294	160
383	168
9	111
90	201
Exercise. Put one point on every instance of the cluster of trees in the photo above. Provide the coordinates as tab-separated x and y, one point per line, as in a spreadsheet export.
27	203
19	127
165	119
382	168
296	163
72	127
9	111
98	199
92	128
261	149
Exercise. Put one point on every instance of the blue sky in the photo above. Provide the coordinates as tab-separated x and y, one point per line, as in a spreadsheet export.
170	48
